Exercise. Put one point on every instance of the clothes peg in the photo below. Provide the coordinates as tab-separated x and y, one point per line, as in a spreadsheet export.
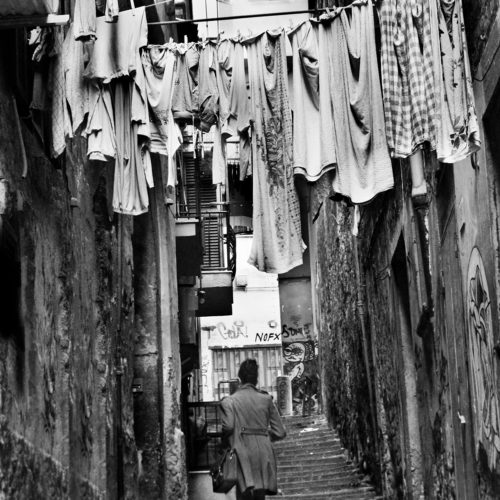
170	40
185	39
290	23
132	5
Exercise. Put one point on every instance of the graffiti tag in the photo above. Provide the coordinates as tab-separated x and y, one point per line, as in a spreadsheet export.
290	331
268	337
238	329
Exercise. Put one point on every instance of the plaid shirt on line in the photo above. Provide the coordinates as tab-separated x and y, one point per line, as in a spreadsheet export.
407	74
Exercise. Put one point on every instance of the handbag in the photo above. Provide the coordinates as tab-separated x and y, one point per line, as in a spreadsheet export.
225	472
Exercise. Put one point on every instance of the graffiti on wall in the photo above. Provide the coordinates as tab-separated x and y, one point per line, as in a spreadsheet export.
297	332
235	331
482	361
301	365
238	333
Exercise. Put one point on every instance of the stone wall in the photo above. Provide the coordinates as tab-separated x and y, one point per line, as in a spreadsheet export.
157	351
343	374
387	385
58	377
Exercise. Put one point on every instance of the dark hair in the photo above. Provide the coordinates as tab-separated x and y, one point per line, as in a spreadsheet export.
249	372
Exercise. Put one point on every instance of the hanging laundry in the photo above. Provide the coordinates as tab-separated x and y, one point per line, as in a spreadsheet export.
407	75
43	41
219	161
306	103
100	130
84	19
76	87
185	97
208	91
277	241
224	69
209	109
130	194
58	111
457	129
240	120
116	50
364	167
327	134
112	11
158	62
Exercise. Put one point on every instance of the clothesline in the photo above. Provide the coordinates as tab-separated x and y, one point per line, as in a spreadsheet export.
349	115
247	16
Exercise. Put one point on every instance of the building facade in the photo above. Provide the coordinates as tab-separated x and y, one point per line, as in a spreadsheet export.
408	312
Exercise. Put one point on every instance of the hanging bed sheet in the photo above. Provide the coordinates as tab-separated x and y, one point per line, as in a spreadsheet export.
351	92
277	242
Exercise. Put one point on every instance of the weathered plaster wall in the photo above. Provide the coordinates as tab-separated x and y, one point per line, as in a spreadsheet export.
343	375
387	388
157	351
58	403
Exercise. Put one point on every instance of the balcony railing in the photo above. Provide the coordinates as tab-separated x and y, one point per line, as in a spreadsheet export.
218	238
203	432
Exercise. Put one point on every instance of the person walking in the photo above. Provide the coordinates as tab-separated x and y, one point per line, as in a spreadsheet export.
250	421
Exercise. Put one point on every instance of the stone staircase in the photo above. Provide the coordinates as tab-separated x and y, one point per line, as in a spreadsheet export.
312	464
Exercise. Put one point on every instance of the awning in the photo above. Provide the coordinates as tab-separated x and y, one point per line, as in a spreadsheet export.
26	13
28	7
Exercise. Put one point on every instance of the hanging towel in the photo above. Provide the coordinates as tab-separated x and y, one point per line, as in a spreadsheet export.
328	153
306	103
364	167
116	50
407	75
277	241
130	194
457	129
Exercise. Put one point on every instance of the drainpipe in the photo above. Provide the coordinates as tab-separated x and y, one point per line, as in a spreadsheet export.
120	490
419	194
361	309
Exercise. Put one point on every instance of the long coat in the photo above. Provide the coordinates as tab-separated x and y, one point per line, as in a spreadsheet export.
251	421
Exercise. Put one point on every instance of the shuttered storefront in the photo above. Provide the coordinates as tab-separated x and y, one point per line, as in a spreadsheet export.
226	363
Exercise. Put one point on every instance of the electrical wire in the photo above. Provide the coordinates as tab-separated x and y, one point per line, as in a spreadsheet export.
266	14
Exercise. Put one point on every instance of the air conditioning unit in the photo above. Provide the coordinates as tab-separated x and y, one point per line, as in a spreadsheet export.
241	280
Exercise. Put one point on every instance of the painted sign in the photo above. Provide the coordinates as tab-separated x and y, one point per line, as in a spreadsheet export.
223	332
482	362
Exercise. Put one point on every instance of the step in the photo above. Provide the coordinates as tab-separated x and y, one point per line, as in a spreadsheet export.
342	468
313	465
311	456
322	485
317	475
345	494
293	447
309	438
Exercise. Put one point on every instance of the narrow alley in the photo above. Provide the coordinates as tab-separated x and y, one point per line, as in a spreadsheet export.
249	249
